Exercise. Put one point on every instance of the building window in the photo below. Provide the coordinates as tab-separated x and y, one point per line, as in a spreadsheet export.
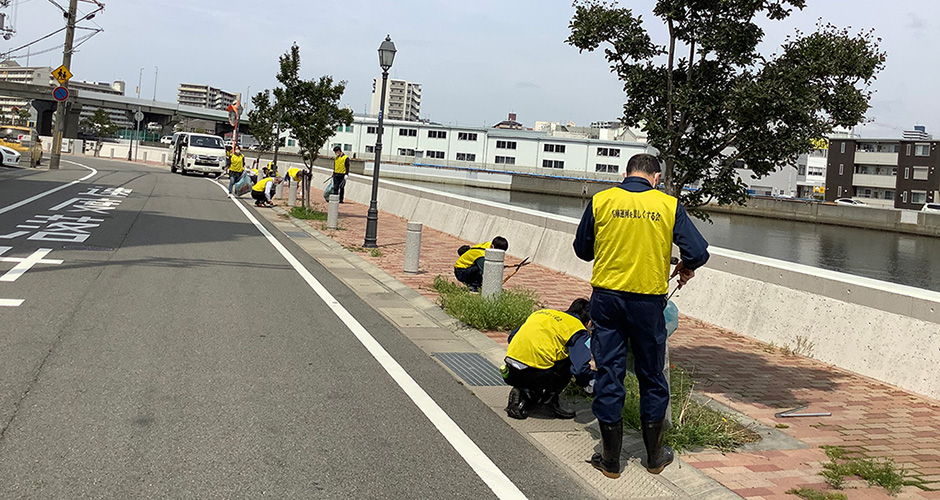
370	149
508	160
921	149
842	168
904	197
348	128
602	167
466	136
406	152
290	142
840	190
907	172
920	173
614	152
371	129
553	164
347	147
408	132
466	157
437	134
505	144
866	193
842	148
889	194
554	148
434	154
919	197
908	150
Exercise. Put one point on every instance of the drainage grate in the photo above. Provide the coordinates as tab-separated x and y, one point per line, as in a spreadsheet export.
472	368
297	234
87	248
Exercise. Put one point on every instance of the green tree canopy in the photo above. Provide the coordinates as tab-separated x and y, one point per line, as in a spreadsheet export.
710	101
262	119
100	125
310	107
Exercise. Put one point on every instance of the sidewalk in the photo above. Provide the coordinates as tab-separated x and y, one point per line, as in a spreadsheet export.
751	378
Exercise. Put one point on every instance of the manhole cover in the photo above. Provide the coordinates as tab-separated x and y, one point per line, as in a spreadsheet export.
297	234
472	368
87	248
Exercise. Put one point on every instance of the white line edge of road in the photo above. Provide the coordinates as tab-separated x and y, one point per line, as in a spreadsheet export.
497	481
53	190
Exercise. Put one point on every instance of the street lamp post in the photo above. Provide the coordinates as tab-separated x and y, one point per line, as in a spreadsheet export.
386	57
130	148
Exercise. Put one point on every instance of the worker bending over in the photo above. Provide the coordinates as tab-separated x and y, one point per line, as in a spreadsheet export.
262	191
469	267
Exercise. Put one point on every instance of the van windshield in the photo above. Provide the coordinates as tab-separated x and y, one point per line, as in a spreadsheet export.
200	141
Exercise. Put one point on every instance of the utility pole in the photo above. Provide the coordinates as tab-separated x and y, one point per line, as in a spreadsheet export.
61	108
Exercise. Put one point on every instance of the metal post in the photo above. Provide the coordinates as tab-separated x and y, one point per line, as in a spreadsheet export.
412	247
292	194
372	217
493	272
332	215
60	110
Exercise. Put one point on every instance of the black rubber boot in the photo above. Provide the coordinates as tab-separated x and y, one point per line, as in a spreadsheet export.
608	461
554	404
657	455
517	404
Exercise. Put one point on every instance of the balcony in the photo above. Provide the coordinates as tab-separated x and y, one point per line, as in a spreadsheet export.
876	158
874	181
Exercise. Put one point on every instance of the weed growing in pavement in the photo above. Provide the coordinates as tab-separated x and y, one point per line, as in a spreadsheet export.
375	252
504	312
771	348
876	472
782	426
811	494
303	213
804	346
354	248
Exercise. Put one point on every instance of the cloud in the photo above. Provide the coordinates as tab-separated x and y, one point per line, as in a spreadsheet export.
527	85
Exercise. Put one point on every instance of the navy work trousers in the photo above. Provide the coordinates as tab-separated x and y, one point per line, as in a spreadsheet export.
619	319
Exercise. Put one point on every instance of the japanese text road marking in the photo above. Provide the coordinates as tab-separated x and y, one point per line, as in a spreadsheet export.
10	302
497	481
26	264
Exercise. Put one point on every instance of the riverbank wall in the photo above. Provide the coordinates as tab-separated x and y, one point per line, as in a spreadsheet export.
885	331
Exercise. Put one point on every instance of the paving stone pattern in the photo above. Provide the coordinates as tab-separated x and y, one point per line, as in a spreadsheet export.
868	417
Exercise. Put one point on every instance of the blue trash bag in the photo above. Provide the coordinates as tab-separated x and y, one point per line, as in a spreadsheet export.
672	317
243	185
328	190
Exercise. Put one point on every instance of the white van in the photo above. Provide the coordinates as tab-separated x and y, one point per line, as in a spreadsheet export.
197	153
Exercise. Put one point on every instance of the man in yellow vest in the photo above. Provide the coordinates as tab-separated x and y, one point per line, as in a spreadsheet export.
469	266
295	174
340	169
628	231
542	356
262	191
236	169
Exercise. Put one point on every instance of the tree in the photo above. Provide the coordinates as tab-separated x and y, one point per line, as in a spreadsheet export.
710	101
100	126
262	119
310	107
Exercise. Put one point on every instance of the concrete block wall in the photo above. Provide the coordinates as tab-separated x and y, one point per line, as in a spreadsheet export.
881	330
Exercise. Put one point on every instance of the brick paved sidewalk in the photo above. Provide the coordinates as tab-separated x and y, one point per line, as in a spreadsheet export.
756	379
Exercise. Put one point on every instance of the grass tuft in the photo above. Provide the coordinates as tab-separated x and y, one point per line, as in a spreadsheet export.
303	213
811	494
504	312
881	473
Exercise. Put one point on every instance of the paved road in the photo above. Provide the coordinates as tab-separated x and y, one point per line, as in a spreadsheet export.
164	348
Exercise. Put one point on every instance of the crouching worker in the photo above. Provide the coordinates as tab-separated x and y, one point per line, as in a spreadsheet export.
262	191
542	356
469	267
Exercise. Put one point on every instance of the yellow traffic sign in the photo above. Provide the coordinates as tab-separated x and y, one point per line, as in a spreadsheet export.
62	74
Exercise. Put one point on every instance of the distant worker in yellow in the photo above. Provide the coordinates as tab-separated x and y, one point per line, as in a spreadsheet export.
262	191
340	169
469	267
236	169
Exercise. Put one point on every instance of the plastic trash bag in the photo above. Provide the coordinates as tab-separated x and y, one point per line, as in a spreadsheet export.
328	190
671	313
243	185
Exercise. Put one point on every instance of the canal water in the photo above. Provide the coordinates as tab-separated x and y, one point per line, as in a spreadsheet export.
893	257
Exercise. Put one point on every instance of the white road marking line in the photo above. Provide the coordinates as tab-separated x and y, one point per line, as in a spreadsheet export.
501	485
53	190
25	264
10	302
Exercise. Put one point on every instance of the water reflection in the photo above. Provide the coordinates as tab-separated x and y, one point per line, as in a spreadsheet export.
882	255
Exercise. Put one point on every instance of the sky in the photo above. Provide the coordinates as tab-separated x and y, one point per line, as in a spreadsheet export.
476	60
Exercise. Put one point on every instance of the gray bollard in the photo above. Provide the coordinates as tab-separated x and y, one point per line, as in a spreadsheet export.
412	247
292	194
493	272
279	191
332	215
145	157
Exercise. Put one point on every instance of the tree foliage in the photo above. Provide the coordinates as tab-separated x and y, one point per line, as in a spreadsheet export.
310	107
100	125
262	119
710	101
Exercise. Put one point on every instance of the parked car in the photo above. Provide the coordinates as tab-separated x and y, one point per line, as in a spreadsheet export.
167	139
197	153
931	207
849	201
9	157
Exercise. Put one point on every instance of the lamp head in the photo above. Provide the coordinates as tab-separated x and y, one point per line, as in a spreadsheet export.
386	53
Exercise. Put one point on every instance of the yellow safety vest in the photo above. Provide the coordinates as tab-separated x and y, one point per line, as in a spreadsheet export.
339	164
261	185
542	340
294	173
470	256
238	163
633	240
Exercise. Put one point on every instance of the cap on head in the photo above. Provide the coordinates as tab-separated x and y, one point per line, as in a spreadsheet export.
336	149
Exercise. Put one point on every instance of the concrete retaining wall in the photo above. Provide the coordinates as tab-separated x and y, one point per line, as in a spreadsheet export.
881	330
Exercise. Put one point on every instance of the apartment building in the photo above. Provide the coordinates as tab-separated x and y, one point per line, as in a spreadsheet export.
886	172
203	96
402	99
11	71
119	117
